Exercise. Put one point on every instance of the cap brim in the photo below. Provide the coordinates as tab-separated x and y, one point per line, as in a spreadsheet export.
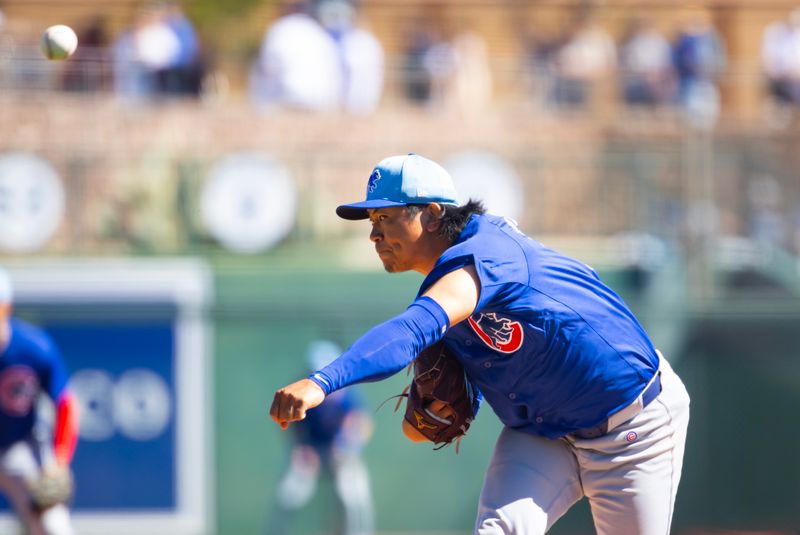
358	210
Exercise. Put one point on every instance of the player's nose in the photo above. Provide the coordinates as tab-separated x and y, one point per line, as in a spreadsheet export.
375	234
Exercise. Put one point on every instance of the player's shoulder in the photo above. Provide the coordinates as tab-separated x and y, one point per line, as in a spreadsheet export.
29	330
489	235
31	339
486	223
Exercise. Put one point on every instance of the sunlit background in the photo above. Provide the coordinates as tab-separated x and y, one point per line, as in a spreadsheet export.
167	202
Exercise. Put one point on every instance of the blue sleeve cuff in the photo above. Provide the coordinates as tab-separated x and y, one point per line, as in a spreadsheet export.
321	381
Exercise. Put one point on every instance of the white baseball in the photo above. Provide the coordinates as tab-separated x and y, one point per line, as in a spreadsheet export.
59	42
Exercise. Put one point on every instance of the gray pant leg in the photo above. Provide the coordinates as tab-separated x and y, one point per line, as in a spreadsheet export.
631	475
530	483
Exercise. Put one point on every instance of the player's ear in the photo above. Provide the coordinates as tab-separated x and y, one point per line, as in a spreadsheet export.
432	216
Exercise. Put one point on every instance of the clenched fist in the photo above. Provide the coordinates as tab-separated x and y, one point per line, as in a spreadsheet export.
291	402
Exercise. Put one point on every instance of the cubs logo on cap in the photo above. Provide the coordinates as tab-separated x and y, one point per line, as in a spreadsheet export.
373	179
400	181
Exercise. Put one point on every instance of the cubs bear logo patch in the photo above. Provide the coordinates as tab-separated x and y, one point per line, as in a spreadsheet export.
501	334
19	388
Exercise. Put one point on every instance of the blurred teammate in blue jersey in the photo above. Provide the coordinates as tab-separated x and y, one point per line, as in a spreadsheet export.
31	367
328	442
589	406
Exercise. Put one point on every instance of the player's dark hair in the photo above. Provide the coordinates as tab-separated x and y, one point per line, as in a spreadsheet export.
454	218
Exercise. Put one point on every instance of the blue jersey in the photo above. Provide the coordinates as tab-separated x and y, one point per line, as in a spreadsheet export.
551	347
322	425
29	365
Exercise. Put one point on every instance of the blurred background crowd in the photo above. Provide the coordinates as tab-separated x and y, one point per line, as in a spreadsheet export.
183	84
326	55
655	139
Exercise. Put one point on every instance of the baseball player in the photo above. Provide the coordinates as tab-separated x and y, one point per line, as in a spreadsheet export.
589	407
34	473
328	441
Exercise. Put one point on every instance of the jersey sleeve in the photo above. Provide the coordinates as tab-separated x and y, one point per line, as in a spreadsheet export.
65	435
498	276
42	353
57	375
386	348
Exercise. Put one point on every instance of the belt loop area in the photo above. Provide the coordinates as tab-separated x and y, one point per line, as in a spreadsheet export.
650	392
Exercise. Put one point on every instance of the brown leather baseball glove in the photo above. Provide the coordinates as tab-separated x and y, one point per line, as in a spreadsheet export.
441	401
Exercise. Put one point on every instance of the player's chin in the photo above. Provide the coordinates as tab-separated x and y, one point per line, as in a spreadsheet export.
389	266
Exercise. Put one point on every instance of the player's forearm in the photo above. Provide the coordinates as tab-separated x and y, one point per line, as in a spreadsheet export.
387	348
65	436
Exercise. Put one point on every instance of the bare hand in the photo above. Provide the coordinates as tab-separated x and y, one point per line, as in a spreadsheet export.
291	402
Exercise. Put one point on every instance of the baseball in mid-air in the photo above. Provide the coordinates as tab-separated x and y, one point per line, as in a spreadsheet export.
59	42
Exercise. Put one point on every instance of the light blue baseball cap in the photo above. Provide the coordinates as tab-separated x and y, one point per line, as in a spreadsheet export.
400	181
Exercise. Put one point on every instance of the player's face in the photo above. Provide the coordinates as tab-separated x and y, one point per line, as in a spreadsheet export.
397	233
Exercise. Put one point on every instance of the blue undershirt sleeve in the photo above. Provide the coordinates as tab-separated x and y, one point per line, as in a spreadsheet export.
386	348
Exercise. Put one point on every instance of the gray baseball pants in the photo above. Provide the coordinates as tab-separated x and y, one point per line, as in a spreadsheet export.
630	475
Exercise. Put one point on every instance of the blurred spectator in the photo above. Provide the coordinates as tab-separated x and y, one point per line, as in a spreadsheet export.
360	56
21	68
31	449
328	441
429	62
148	47
471	90
766	223
87	69
780	59
448	74
439	62
416	78
131	79
156	46
540	48
699	59
646	65
6	47
586	56
158	56
299	64
183	74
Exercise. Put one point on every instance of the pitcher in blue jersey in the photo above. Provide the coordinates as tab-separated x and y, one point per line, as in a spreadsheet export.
590	407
